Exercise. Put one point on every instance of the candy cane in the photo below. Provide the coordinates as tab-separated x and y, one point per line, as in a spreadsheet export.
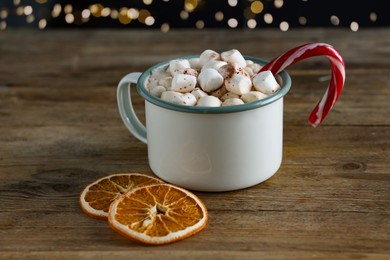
336	82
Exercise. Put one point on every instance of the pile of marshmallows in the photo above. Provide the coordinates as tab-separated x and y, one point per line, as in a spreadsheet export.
212	80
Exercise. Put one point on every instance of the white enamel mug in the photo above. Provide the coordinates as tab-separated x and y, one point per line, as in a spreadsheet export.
208	148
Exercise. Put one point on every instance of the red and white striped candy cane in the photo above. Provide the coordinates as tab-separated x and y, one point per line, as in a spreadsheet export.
337	80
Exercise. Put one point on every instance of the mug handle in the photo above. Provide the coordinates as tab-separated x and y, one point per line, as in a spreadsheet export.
125	106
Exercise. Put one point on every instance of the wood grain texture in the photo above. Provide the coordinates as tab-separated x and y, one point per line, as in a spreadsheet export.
60	130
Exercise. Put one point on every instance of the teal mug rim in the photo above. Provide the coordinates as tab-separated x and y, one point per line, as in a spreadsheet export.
141	89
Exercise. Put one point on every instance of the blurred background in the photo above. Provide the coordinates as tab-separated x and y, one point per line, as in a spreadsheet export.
165	15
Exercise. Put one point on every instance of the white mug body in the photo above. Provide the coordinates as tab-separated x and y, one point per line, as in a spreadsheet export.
215	152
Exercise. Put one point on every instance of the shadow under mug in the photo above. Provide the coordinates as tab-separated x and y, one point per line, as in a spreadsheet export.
208	148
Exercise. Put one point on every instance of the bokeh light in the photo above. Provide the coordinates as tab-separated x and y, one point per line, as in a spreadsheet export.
190	5
27	10
149	20
114	14
4	14
86	13
184	15
68	8
105	12
123	17
334	20
251	23
219	16
166	15
354	26
148	2
233	3
302	20
142	15
165	27
69	18
268	18
278	3
56	10
3	25
284	26
42	24
257	7
232	22
133	13
30	18
373	17
20	10
199	24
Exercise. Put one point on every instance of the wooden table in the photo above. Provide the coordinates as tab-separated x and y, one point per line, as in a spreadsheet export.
60	130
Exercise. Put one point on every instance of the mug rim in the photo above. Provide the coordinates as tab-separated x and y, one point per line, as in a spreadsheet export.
142	90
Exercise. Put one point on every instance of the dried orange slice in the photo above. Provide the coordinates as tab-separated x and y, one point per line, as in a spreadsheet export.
96	198
158	214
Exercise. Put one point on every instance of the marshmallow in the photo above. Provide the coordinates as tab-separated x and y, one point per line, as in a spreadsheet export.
219	92
207	55
198	93
238	84
249	71
232	102
265	82
188	72
210	80
248	63
159	73
176	65
166	82
253	96
209	101
252	68
214	64
195	63
172	97
189	99
157	91
151	83
183	83
255	67
178	98
228	70
229	95
156	75
233	56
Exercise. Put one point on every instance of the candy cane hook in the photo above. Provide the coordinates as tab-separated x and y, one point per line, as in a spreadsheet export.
337	80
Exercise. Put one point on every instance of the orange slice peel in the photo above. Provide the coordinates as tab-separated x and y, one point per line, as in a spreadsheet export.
97	197
157	214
